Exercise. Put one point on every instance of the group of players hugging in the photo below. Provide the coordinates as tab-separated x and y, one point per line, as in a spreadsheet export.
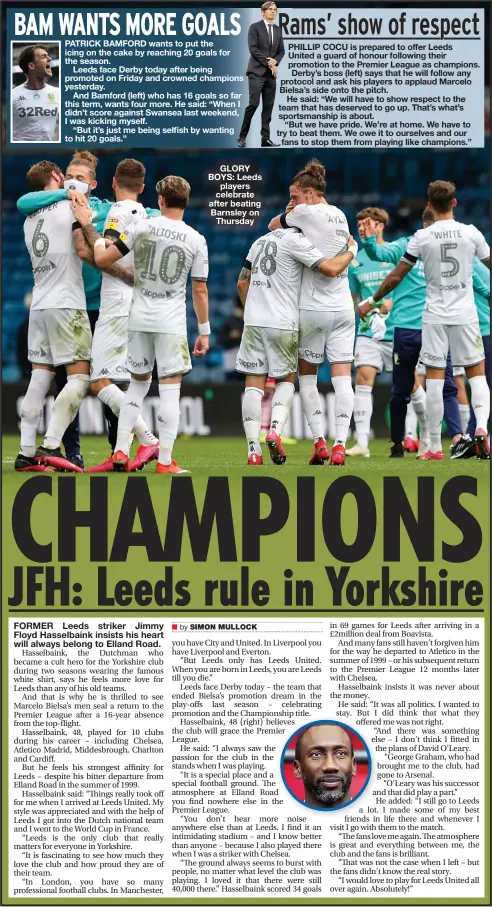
109	303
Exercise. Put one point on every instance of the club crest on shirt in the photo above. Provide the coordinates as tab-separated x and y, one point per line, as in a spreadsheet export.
51	98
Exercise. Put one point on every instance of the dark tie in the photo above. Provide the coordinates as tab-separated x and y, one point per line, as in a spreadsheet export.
271	36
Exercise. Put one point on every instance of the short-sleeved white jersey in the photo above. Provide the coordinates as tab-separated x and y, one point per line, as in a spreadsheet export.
447	249
327	227
165	252
116	296
56	267
35	113
277	262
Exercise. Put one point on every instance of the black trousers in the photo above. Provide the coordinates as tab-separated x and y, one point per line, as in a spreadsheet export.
260	88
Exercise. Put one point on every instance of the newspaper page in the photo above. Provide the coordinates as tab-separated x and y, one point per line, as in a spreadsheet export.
245	478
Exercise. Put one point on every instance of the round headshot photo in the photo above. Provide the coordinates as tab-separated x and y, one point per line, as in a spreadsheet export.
325	765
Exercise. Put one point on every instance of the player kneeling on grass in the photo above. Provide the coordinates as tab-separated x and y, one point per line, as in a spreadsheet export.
165	251
269	286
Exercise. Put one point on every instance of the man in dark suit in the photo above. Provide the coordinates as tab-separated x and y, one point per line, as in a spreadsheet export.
266	49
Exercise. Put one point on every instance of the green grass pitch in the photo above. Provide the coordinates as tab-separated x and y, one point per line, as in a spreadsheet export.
228	456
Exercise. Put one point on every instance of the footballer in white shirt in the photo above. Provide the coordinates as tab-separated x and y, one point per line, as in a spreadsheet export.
166	251
450	321
35	105
327	319
269	287
110	341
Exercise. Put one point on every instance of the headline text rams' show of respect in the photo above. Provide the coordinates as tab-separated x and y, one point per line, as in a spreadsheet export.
167	24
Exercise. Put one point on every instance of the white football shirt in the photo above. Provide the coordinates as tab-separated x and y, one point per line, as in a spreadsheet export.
447	249
57	269
116	296
327	227
276	262
35	113
165	252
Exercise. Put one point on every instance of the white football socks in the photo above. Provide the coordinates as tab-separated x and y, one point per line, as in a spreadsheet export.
129	413
311	405
435	411
31	407
464	409
411	421
281	405
65	408
251	412
168	420
344	406
363	405
480	400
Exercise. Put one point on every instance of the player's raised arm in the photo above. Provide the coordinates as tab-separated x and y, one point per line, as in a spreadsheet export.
395	277
391	251
279	222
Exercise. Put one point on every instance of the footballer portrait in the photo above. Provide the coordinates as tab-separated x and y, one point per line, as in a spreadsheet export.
35	92
325	765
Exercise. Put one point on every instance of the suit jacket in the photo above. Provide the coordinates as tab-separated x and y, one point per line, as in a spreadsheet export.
260	50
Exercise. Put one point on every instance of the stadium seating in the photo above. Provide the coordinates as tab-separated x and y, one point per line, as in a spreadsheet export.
394	179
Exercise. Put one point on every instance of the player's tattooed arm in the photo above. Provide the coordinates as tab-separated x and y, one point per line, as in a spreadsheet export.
388	285
90	234
243	282
82	248
122	273
392	280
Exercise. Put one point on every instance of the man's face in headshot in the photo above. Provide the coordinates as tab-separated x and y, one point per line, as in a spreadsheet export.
270	13
326	765
41	65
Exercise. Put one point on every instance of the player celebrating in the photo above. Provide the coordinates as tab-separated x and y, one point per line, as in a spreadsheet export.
59	331
326	320
166	250
450	320
110	344
35	104
269	285
407	312
80	179
374	343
